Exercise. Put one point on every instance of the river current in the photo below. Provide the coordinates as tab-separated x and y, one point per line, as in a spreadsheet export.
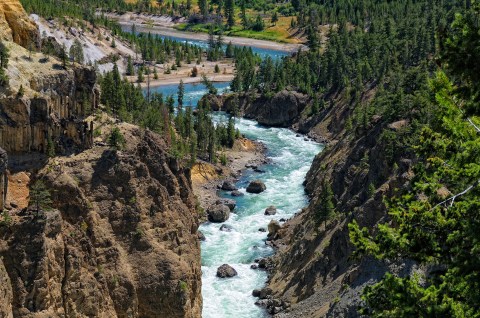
290	158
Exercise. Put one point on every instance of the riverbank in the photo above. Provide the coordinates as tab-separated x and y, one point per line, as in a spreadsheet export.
207	177
167	26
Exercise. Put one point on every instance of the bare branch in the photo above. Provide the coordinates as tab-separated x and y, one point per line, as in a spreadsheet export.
452	199
474	126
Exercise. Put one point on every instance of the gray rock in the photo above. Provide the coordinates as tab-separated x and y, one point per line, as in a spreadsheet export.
226	228
228	202
228	186
265	292
226	271
218	213
262	229
273	228
271	210
256	186
254	266
237	193
201	236
256	293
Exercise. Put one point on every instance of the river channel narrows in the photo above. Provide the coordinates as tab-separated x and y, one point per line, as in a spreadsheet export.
291	157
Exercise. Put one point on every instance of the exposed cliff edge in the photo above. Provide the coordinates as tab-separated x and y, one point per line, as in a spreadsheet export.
16	26
121	240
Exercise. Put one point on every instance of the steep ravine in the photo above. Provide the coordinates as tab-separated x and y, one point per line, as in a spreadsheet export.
313	269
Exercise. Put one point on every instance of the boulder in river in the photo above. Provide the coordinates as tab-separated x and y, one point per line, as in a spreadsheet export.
228	186
228	202
218	213
271	210
226	228
236	193
273	228
256	186
225	271
201	236
262	229
256	293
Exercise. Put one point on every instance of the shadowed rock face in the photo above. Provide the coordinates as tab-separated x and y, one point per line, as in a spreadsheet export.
28	124
16	26
3	177
121	240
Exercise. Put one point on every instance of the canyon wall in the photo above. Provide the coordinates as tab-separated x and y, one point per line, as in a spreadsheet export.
16	26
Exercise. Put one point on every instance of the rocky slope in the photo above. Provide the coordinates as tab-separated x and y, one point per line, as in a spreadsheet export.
16	26
120	238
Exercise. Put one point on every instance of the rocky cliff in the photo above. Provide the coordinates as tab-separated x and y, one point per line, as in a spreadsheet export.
119	241
16	26
313	273
44	105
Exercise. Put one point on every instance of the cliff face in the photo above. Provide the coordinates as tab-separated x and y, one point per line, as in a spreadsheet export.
53	111
16	26
313	271
121	240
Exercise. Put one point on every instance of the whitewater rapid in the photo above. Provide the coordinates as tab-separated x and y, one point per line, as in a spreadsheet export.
291	157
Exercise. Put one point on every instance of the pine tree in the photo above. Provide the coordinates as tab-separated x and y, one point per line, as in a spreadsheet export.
203	5
230	12
229	50
180	94
325	209
116	139
40	196
130	69
274	18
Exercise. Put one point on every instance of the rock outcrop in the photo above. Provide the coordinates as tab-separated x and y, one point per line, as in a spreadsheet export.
16	26
313	267
226	271
218	213
54	116
256	186
120	241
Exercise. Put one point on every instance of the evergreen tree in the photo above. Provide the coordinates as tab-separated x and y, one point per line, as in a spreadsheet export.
40	196
230	12
325	209
203	5
274	18
116	139
130	69
180	94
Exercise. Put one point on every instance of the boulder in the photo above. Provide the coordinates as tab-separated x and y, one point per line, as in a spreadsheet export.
271	210
256	293
218	213
201	236
226	228
256	186
265	292
228	202
262	229
236	193
273	228
267	112
228	186
226	271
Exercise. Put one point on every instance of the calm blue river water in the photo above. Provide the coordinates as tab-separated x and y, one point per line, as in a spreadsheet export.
274	54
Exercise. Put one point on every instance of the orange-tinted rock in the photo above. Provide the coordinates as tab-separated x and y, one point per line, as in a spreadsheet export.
15	25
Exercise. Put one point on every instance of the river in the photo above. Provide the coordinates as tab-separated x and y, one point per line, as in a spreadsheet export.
290	158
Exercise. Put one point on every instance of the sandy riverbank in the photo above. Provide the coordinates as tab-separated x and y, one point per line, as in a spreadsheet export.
206	177
187	80
239	41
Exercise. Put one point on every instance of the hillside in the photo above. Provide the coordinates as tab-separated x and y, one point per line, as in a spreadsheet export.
87	229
